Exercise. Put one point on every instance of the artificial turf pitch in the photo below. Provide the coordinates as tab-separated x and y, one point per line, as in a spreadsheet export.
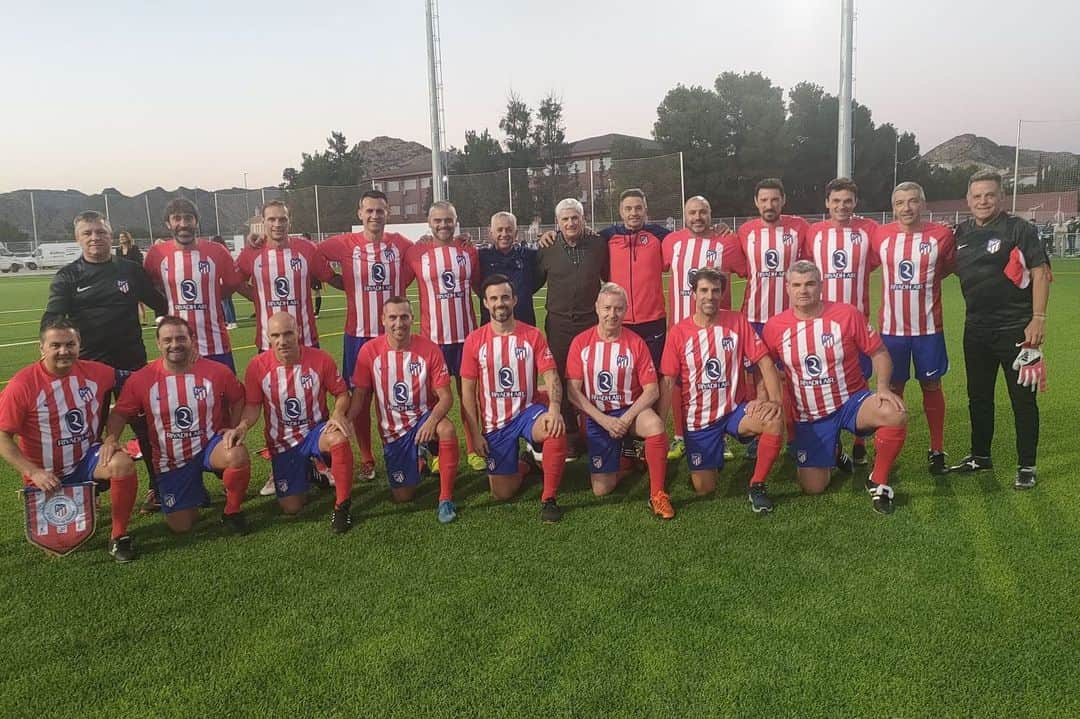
964	602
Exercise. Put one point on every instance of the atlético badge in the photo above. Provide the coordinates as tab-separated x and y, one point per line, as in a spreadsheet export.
59	522
993	246
123	286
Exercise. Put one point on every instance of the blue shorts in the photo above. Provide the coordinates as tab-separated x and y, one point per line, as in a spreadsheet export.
402	456
225	359
927	351
815	442
292	468
759	327
349	351
605	451
503	443
182	488
84	470
705	447
866	365
654	333
452	356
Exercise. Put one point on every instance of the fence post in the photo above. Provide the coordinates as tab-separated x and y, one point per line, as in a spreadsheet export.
149	222
509	191
217	217
33	219
318	225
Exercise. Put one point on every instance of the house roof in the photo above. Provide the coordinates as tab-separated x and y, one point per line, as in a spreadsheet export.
1044	201
601	144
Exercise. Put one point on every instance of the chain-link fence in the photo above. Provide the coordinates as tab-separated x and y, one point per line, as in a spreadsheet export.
1045	185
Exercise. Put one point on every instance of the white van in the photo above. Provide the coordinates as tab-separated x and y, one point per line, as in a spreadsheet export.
56	254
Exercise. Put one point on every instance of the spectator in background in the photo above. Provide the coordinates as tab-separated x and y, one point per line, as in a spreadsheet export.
227	306
316	283
131	252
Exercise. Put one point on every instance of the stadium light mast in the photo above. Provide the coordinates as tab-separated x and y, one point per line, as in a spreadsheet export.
435	96
843	141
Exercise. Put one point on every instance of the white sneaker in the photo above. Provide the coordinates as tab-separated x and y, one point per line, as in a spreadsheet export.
230	326
268	488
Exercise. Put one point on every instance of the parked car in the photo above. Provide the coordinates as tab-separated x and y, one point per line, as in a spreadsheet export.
8	262
56	254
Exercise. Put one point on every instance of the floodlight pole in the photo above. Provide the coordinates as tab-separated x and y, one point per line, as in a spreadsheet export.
682	182
149	222
843	141
1016	165
510	189
33	218
434	96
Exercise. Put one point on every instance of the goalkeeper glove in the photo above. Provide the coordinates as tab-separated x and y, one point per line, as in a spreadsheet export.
1031	372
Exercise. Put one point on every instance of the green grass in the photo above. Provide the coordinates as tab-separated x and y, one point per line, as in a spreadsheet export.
962	603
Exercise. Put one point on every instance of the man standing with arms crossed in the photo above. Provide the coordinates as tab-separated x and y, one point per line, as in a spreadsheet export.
915	256
373	269
1005	277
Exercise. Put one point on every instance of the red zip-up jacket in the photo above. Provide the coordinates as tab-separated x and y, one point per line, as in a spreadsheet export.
637	265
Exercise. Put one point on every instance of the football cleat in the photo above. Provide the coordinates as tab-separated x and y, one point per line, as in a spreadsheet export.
121	550
936	462
1025	478
759	498
476	462
447	512
237	523
882	498
151	504
268	488
550	512
660	504
858	454
677	450
341	519
366	471
844	462
971	463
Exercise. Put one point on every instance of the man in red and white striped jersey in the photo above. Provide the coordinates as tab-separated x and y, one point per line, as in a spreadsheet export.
501	363
819	344
915	256
190	402
373	269
280	271
611	379
289	384
686	251
840	246
195	276
706	356
55	407
447	271
406	374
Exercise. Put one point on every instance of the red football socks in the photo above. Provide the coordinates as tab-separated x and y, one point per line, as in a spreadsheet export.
656	458
122	491
769	446
934	407
449	456
888	441
341	469
236	481
555	451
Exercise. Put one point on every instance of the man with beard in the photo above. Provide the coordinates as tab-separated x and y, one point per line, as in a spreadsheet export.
190	402
195	275
506	257
501	363
447	271
56	407
373	269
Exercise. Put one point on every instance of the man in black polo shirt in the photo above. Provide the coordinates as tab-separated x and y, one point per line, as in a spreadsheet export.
506	257
100	294
573	266
1005	277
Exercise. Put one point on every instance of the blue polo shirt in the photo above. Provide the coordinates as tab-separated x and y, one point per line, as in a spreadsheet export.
519	264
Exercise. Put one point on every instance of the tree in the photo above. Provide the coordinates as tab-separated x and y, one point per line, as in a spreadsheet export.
338	165
516	125
691	120
553	179
755	115
478	185
11	233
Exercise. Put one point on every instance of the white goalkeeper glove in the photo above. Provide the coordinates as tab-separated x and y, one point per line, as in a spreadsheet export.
1031	372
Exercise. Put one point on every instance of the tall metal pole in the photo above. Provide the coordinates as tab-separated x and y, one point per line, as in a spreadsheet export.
149	222
33	219
682	181
318	225
217	217
510	189
1016	165
843	138
106	196
895	158
247	201
437	170
592	196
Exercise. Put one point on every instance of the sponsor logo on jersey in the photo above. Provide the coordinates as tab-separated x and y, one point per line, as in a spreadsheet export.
772	259
378	273
691	275
189	291
906	270
401	393
183	417
449	280
605	382
839	260
813	364
281	287
294	409
75	421
714	369
506	378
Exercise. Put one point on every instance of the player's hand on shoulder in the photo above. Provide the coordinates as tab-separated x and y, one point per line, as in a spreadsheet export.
255	240
547	239
721	229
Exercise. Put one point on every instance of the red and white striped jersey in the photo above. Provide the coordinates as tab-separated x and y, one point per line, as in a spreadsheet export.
709	364
56	418
506	368
372	273
769	250
821	356
293	397
184	410
684	255
282	280
612	372
846	257
912	267
403	381
195	281
446	275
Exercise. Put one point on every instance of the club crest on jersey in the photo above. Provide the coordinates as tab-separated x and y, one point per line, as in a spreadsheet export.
727	344
189	291
506	378
414	368
924	248
294	409
695	459
710	255
906	270
199	393
204	267
401	393
294	263
86	394
75	421
772	259
813	365
787	238
521	353
378	273
389	254
993	246
622	361
306	382
839	260
605	382
643	239
827	340
461	260
123	286
448	280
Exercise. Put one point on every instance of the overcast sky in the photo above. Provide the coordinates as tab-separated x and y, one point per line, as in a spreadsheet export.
135	95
